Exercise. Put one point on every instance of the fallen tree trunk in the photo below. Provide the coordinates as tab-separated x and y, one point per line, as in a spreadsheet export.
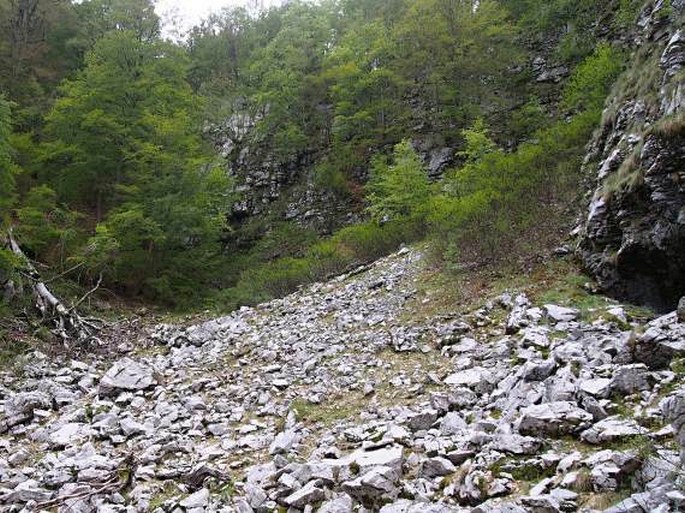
66	322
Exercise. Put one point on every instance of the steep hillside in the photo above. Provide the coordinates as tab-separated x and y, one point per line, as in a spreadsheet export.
366	393
634	236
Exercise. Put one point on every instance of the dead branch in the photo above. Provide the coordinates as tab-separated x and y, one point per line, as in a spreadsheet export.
68	324
87	294
197	476
112	485
60	275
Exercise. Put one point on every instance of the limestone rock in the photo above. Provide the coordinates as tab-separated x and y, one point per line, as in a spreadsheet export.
198	499
126	375
612	429
379	483
435	467
309	494
29	490
340	504
283	442
479	379
632	238
673	408
558	314
681	310
629	379
555	418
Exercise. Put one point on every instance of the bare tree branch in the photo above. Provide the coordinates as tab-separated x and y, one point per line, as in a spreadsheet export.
67	323
87	294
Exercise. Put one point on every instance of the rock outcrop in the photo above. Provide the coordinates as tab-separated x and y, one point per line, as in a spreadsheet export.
355	396
633	240
281	186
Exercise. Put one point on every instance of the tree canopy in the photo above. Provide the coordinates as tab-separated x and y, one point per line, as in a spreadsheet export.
108	163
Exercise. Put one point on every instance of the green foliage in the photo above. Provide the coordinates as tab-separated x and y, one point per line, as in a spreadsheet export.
7	168
280	83
278	277
124	146
331	175
628	11
400	189
592	79
128	112
365	88
447	63
284	239
477	143
108	169
349	247
46	229
368	241
220	49
128	241
165	244
527	120
7	172
486	212
35	54
99	17
573	18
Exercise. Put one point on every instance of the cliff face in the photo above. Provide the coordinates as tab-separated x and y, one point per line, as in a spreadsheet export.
633	239
270	185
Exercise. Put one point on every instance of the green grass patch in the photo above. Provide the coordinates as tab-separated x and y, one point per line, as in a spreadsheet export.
168	491
325	413
571	291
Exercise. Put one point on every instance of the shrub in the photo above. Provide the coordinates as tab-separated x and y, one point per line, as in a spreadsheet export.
500	205
627	12
351	246
277	278
368	241
504	204
593	78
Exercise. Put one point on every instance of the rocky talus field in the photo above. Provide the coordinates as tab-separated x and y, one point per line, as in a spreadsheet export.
354	395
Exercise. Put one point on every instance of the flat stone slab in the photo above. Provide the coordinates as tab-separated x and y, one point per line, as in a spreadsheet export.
555	418
613	428
126	375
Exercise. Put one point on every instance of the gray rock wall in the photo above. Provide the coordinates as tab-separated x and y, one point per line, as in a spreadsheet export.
633	239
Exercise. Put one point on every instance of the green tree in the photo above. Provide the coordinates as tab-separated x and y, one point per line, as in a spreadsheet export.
400	189
35	54
98	17
366	91
7	168
100	129
459	67
7	171
47	230
220	49
477	142
575	19
282	78
125	148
